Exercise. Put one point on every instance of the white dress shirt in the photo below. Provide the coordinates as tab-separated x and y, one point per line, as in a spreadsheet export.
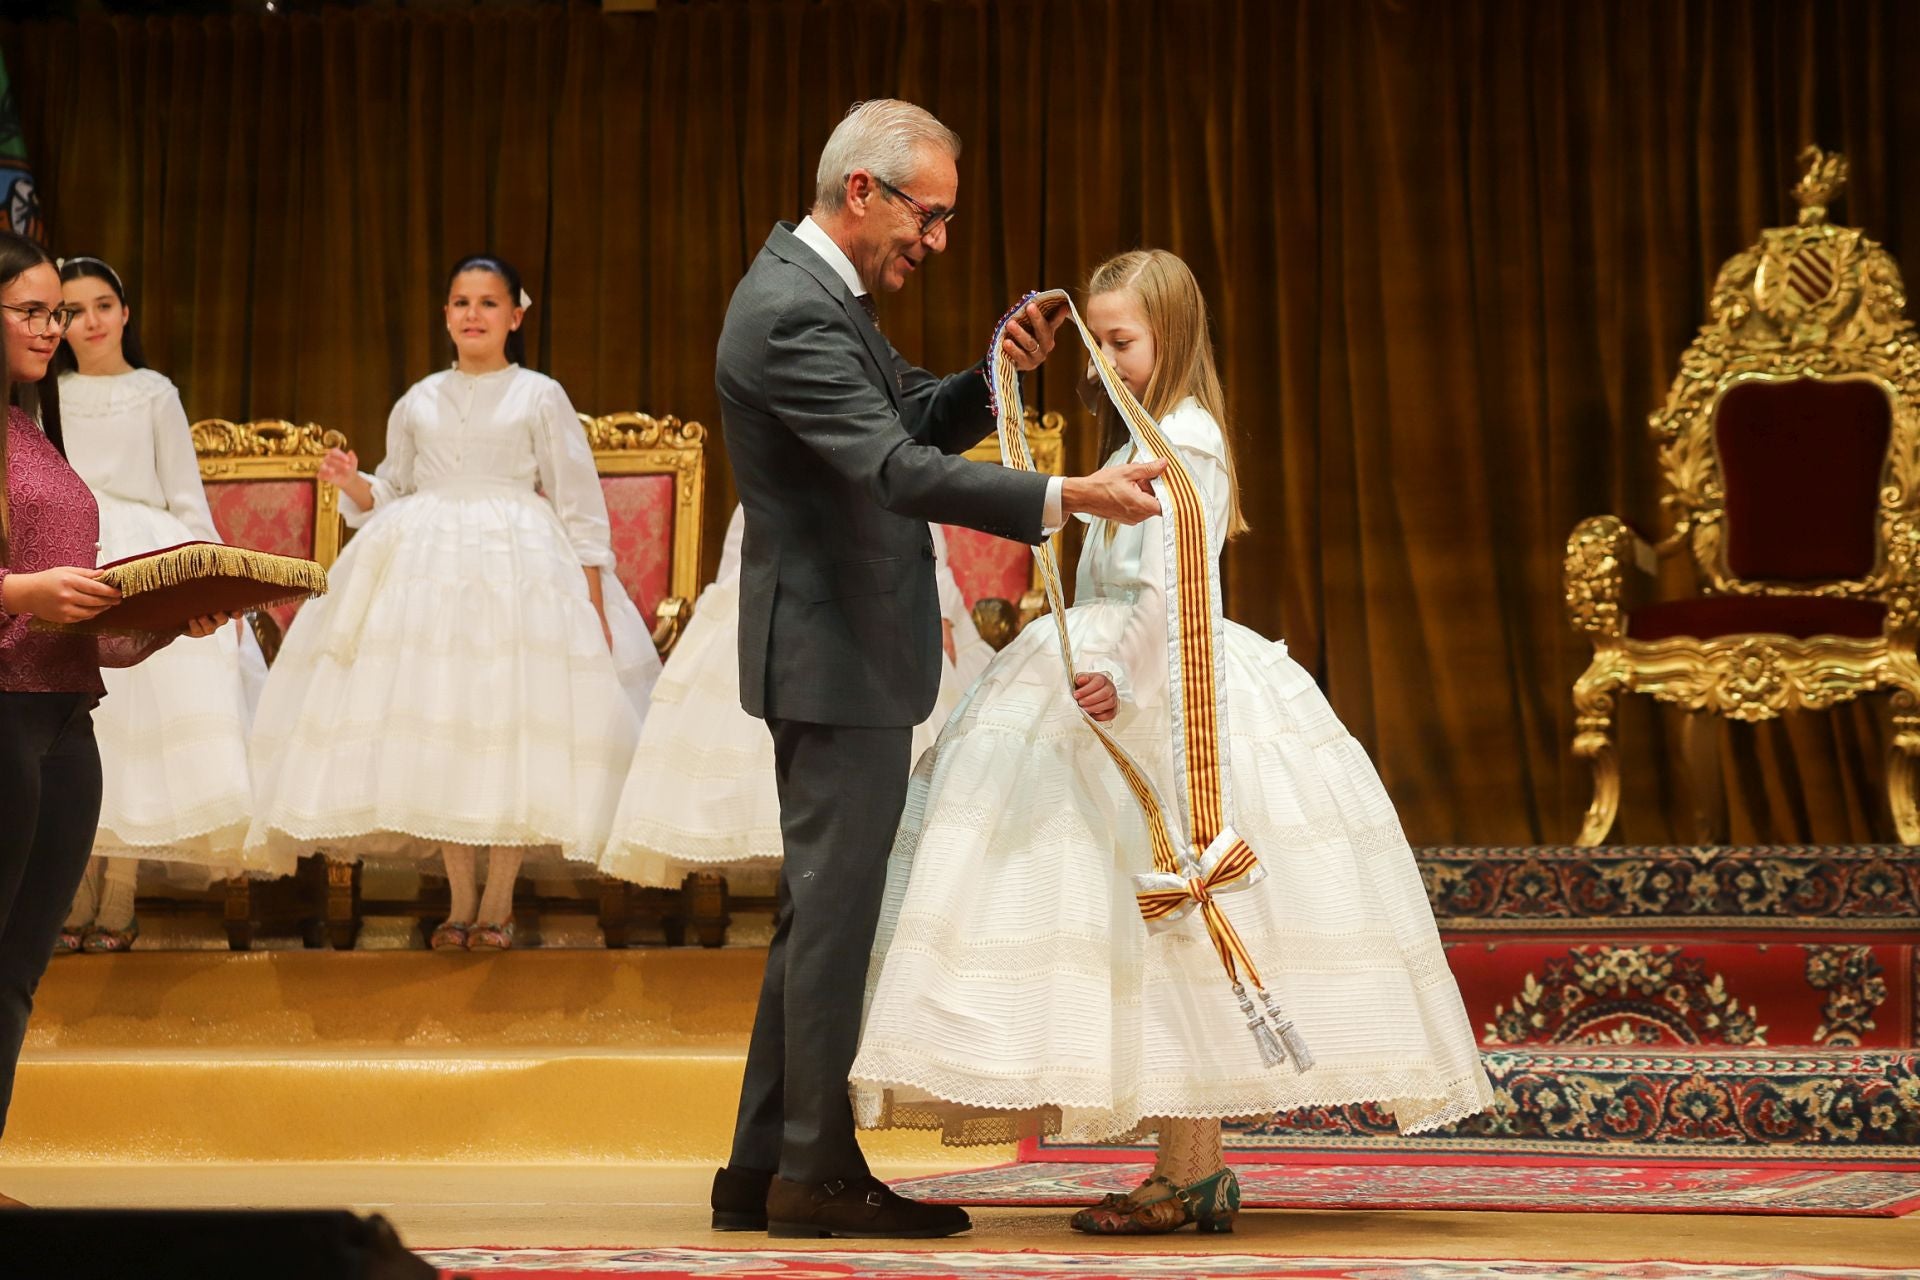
814	236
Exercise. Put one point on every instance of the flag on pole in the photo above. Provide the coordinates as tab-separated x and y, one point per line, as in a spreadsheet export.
19	202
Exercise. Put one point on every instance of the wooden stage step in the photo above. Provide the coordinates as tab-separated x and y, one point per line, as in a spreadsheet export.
531	1056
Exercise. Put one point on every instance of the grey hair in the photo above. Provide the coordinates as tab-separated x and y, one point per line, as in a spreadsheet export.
884	137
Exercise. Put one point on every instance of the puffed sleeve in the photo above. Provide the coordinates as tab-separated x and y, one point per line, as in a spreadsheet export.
393	478
1138	658
730	546
953	604
178	467
568	477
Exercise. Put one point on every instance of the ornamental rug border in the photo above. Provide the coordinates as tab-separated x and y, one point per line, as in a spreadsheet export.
1795	1105
1747	887
830	1264
1491	1187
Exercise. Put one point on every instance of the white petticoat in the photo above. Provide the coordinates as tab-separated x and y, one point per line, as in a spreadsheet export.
701	794
452	687
173	732
1015	990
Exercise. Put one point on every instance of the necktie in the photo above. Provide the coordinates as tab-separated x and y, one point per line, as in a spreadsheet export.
866	304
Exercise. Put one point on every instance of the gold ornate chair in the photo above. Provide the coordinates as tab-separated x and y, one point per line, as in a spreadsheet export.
999	578
263	485
1790	449
653	472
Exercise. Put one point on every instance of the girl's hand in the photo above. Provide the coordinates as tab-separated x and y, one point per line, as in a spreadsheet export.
341	469
946	640
339	465
1096	695
66	594
606	632
212	622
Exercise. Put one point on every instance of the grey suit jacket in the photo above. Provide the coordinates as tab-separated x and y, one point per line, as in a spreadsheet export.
842	454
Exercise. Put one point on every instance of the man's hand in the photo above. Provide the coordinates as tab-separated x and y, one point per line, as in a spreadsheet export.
1096	695
65	594
1122	493
1028	340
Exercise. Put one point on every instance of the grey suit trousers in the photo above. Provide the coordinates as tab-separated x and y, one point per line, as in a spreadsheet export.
841	792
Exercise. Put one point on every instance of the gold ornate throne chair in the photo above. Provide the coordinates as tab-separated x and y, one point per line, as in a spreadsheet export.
998	578
1789	448
653	473
263	486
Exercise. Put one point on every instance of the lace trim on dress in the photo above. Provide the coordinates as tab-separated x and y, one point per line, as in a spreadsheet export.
110	396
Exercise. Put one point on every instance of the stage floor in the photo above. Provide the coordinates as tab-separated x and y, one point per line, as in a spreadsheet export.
581	1206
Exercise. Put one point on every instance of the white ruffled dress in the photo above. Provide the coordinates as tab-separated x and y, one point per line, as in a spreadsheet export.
172	730
701	794
1015	990
453	686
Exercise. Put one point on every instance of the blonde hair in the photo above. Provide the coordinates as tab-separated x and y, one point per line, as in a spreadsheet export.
883	136
1176	313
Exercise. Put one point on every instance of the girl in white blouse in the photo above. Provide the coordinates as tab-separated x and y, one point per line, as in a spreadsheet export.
1016	991
475	677
172	730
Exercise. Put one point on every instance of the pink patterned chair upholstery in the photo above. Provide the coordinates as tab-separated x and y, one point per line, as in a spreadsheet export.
998	577
653	472
262	482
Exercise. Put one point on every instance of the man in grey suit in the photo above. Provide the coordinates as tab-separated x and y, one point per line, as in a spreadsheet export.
843	452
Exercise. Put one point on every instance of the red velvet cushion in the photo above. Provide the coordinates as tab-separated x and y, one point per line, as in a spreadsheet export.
266	515
984	565
1801	462
640	515
1802	616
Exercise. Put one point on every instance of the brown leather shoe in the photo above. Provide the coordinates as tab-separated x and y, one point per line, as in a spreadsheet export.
857	1209
740	1199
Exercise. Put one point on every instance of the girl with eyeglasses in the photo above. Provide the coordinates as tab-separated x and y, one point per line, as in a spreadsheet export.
474	679
49	680
173	731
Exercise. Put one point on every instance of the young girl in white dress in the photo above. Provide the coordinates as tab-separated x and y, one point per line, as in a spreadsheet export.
1015	990
173	730
701	796
475	677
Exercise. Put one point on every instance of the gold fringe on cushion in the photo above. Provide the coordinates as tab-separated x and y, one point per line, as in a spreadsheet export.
197	560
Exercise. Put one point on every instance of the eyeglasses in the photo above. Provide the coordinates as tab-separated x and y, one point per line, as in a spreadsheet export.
929	218
39	321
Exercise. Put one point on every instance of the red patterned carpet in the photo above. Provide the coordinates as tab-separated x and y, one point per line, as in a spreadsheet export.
780	1264
1518	1187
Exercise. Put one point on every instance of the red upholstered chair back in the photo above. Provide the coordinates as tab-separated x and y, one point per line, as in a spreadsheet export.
263	486
986	567
640	510
1802	462
653	473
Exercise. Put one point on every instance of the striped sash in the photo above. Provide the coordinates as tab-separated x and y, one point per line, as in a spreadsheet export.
1197	856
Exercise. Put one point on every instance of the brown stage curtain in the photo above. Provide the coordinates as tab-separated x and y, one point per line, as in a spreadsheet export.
1454	248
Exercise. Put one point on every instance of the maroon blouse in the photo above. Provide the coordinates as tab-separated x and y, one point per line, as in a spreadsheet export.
53	521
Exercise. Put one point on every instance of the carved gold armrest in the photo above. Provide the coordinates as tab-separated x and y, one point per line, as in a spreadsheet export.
266	630
670	619
1032	605
996	620
1599	551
